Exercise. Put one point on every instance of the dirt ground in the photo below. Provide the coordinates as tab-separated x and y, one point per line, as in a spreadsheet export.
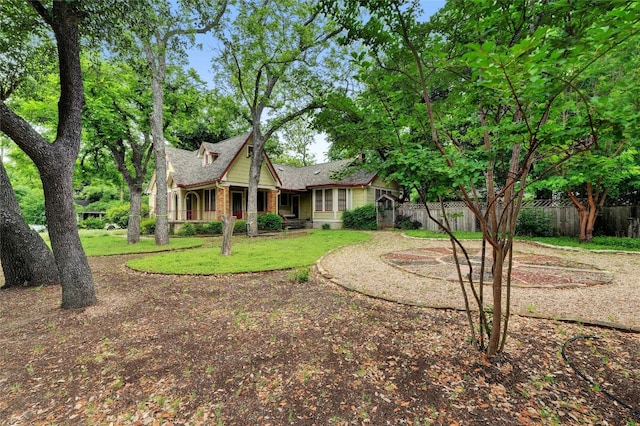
260	349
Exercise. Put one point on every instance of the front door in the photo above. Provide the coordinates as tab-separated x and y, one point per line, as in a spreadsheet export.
236	204
191	202
295	206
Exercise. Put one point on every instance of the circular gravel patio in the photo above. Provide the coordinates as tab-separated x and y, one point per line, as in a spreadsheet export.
577	285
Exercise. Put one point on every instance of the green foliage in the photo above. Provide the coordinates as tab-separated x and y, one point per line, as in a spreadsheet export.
363	218
148	226
31	201
91	223
535	223
326	226
98	193
186	230
300	275
269	222
119	213
240	227
405	223
251	254
211	228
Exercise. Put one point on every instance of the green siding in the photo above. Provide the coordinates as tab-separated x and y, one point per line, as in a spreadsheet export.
239	171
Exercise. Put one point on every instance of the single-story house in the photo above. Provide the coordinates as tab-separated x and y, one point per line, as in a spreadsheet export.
205	184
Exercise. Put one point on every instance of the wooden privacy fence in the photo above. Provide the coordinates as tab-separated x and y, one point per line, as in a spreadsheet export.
564	216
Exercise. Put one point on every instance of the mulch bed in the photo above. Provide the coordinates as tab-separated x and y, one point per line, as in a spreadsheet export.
260	349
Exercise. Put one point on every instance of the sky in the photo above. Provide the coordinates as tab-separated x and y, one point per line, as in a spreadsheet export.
200	60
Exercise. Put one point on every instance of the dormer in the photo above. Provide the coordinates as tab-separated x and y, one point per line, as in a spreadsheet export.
208	156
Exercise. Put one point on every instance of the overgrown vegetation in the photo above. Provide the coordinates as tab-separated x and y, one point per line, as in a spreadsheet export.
362	218
535	223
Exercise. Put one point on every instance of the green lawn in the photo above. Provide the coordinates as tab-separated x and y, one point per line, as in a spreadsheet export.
106	243
598	243
251	254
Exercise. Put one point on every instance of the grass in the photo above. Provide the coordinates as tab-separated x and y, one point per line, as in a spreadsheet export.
106	243
250	255
598	243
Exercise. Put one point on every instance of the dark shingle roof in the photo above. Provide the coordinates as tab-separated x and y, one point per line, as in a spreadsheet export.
301	178
189	169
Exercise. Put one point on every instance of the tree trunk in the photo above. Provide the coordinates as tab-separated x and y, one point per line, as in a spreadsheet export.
55	161
135	209
156	120
254	180
26	259
587	211
496	325
227	232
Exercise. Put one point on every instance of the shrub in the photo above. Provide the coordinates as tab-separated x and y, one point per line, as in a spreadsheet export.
326	226
404	223
186	230
119	213
361	218
240	227
300	275
91	223
535	223
214	228
148	226
269	222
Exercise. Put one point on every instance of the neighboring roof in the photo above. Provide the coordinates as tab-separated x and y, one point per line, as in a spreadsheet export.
187	165
300	178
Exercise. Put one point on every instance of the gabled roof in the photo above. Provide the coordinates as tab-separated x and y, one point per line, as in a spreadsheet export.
188	169
301	178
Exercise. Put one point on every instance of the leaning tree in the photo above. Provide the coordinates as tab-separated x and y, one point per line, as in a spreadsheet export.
55	159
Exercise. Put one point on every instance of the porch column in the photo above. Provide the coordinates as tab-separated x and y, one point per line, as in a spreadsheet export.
272	201
180	205
222	197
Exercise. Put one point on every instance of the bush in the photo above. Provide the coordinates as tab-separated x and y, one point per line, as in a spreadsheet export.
326	226
148	226
119	213
404	223
91	223
186	230
240	227
269	222
361	218
535	223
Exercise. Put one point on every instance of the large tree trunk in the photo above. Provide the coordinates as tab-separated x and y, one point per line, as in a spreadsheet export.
135	210
157	65
55	161
254	179
26	259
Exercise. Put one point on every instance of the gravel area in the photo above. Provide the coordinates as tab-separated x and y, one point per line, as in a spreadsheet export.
360	268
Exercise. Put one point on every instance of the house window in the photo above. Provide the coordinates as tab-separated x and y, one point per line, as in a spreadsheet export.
284	199
328	200
342	200
319	200
249	150
209	200
262	204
